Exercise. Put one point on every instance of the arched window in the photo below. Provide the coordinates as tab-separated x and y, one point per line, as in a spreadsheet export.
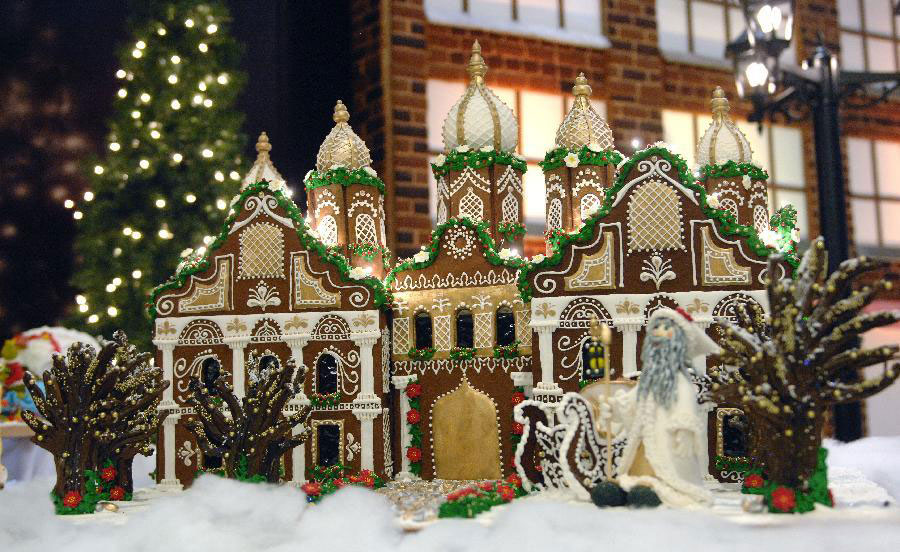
365	229
506	326
589	204
731	206
326	374
328	443
268	362
554	216
328	231
465	333
424	330
210	370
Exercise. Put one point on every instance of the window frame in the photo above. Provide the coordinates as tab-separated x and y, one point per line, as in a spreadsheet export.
865	34
876	196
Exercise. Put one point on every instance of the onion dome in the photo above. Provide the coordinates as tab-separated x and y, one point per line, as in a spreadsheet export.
342	147
722	141
583	125
479	118
263	169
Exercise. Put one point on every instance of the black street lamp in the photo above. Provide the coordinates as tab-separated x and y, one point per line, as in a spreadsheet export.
818	90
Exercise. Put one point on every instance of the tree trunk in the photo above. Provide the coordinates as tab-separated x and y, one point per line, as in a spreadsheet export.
787	459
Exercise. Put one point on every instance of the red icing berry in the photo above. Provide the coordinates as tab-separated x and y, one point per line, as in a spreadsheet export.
783	499
72	499
108	473
414	454
413	390
413	416
117	493
753	481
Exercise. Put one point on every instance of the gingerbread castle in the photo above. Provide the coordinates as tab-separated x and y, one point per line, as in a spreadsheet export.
418	373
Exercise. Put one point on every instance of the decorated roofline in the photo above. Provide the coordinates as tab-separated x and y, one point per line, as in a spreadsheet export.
328	255
365	176
461	157
585	155
429	253
724	219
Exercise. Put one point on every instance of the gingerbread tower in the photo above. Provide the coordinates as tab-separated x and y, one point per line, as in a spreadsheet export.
480	178
582	166
345	197
724	157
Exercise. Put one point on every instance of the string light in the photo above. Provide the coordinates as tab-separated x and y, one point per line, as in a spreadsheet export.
121	74
114	146
160	203
98	169
80	299
112	311
189	23
154	134
165	234
144	164
161	31
117	252
136	235
234	175
117	281
122	93
173	79
221	204
207	153
126	230
82	308
219	176
88	195
176	104
201	86
77	215
197	99
222	79
110	288
175	59
68	204
177	157
92	319
212	28
145	97
207	240
135	114
190	198
140	45
203	47
136	274
137	54
207	102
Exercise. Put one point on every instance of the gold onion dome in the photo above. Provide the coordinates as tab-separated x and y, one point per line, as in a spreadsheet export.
723	141
479	118
342	147
583	125
263	169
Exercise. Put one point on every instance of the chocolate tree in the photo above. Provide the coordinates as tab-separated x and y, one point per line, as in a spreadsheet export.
786	370
96	406
251	441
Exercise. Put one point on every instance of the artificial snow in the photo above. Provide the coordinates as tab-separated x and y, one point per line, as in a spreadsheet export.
223	515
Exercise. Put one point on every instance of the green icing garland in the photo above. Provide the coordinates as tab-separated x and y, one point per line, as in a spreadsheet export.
586	156
458	160
343	176
723	218
326	254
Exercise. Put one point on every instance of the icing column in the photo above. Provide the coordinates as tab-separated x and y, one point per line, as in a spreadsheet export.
400	382
167	347
629	328
546	390
169	479
238	376
366	406
298	454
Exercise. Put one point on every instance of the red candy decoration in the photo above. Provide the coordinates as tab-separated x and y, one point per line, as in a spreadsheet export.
413	390
506	492
518	397
413	416
414	454
312	488
117	493
518	428
72	499
783	499
514	479
108	474
753	481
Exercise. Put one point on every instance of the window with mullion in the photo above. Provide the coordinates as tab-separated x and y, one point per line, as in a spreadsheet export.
874	194
869	35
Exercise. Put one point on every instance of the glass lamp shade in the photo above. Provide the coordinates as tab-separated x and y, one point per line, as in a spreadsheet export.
754	74
771	24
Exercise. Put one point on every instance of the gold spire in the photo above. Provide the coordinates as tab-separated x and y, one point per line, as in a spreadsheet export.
342	147
583	126
263	169
477	68
719	104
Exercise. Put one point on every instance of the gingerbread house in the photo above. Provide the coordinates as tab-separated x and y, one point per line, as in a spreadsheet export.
276	285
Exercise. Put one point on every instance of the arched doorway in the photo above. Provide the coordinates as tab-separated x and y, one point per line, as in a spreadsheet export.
465	435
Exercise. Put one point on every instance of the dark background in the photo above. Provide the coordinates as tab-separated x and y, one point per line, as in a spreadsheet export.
57	84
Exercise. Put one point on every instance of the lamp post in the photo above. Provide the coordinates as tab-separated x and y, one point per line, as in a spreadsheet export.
818	90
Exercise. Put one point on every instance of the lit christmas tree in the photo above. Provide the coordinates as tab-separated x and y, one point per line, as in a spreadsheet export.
172	165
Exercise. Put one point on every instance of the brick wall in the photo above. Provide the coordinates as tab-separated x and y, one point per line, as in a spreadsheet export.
631	76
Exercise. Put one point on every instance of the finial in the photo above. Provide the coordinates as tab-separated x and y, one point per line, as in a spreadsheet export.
581	90
477	68
341	115
719	103
262	144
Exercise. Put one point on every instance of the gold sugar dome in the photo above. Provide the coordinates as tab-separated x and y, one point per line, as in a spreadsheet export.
263	169
583	126
342	147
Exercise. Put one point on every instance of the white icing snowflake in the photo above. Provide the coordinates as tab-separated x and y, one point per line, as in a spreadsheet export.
571	160
745	180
